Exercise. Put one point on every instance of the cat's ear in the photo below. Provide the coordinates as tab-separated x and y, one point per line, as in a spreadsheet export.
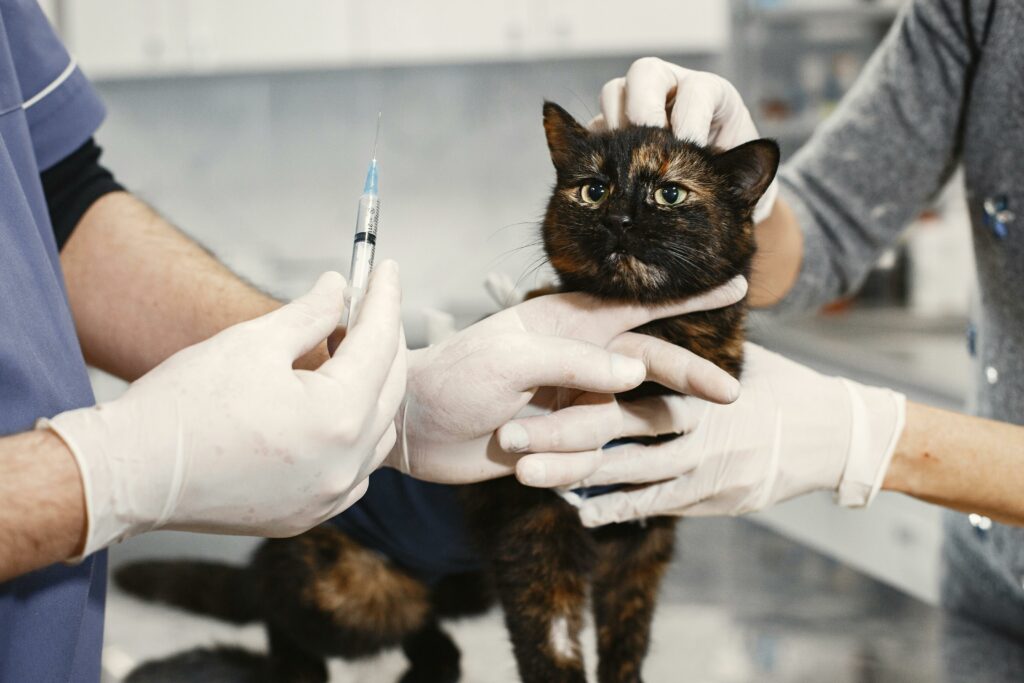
749	168
564	133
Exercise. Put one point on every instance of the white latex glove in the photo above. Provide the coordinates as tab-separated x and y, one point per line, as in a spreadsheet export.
700	106
791	431
464	388
226	437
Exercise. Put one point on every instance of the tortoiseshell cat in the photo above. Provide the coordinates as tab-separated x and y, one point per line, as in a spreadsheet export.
635	215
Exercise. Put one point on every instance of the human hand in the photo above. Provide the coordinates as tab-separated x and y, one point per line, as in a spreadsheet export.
226	437
791	431
464	388
699	106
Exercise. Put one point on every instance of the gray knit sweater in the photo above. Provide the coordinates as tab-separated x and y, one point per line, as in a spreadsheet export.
945	88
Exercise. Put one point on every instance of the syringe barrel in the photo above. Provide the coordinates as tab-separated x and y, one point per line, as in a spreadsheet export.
363	250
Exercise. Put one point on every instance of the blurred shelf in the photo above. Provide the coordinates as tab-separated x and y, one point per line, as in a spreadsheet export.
790	14
797	128
924	357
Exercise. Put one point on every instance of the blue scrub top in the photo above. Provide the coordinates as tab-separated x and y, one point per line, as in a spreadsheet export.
51	621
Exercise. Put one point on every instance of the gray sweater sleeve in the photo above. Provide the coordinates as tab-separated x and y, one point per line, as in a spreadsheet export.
889	147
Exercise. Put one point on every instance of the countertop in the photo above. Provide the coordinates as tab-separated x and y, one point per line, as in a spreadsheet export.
927	358
741	604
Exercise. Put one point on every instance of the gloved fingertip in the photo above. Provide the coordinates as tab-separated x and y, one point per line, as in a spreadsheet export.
653	119
735	391
737	287
731	389
388	267
591	517
628	370
330	281
513	438
700	139
532	472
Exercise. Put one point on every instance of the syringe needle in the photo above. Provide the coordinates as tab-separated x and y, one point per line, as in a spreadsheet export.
376	137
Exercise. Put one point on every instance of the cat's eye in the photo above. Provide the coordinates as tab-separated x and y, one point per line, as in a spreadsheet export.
670	195
594	192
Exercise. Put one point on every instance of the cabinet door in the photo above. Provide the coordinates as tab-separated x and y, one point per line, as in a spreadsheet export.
268	34
127	37
143	37
400	31
584	27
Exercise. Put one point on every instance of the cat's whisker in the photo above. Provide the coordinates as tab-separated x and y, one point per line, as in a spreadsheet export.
512	252
532	269
503	228
681	254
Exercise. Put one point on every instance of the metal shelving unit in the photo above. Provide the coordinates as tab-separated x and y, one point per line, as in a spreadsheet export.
794	60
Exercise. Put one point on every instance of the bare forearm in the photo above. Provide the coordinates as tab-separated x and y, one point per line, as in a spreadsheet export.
778	258
42	518
961	462
140	290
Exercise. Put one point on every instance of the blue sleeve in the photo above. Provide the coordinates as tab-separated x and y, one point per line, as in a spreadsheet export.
62	108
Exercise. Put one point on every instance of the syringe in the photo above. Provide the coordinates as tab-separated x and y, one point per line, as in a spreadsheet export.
366	237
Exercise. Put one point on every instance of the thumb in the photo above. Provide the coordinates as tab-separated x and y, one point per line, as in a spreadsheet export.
299	326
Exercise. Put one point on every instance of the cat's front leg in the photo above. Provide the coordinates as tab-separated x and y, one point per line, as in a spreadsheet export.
632	559
541	557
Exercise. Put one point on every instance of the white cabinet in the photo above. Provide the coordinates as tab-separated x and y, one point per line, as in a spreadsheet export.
128	38
246	34
114	38
585	27
405	32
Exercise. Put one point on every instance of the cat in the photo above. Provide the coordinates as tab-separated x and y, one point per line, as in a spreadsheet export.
635	215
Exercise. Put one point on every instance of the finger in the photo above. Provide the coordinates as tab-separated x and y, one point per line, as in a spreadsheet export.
548	470
613	104
730	123
696	103
724	295
678	368
597	420
385	446
347	501
622	506
661	416
576	428
650	84
559	362
598	124
364	358
635	463
597	321
299	326
393	392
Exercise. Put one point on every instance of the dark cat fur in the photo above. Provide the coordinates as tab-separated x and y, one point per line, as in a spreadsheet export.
323	595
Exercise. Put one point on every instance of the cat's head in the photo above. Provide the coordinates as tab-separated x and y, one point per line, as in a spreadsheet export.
638	214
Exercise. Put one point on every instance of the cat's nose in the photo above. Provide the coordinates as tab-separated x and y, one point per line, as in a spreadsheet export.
619	221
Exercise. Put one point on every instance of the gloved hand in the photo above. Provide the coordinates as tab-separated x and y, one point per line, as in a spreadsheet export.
700	106
791	431
464	388
226	437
